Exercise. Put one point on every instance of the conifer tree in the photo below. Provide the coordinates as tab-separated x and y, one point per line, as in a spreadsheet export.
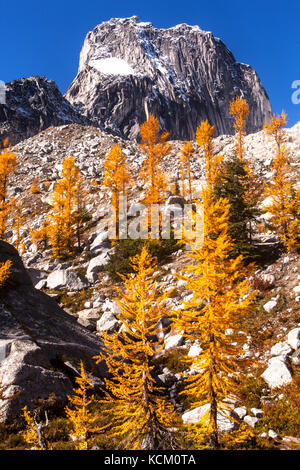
19	221
220	295
34	433
155	148
116	177
285	206
67	202
233	185
8	162
239	109
187	152
139	415
78	411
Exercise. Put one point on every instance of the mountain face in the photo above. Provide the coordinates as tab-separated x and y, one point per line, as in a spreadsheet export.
32	105
182	75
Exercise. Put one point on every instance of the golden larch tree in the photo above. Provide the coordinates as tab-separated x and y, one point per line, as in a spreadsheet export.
8	163
220	296
186	152
34	432
285	205
139	415
67	202
78	410
155	148
116	178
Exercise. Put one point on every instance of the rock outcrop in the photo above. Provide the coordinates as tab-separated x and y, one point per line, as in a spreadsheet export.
39	342
182	75
32	105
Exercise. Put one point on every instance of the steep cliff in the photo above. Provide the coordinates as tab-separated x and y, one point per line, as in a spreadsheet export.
182	74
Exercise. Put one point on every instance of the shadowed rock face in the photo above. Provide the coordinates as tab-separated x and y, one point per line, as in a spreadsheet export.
32	105
38	342
183	75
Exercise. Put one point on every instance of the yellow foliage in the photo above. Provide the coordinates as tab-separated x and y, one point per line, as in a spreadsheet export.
67	206
4	272
33	435
78	410
8	162
116	178
285	205
155	148
139	415
221	294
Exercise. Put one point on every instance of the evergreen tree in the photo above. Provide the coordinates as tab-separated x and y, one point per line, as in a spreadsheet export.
233	185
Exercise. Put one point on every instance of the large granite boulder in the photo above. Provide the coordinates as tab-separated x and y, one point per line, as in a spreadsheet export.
37	342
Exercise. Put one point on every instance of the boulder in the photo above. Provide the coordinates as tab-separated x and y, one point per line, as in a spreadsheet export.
251	421
88	318
281	349
227	420
277	374
270	305
69	280
241	411
36	338
96	264
293	338
107	322
194	350
173	341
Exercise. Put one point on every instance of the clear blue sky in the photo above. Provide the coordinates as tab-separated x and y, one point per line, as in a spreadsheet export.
45	38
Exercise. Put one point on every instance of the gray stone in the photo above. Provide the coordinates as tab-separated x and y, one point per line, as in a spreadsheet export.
96	264
69	280
241	411
227	420
88	318
293	338
251	421
36	336
257	412
277	374
107	322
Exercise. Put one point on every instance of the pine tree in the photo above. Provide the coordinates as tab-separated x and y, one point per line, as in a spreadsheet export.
139	415
78	411
233	185
187	152
285	206
155	148
220	296
8	162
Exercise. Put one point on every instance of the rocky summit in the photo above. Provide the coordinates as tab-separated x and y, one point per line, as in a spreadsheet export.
182	75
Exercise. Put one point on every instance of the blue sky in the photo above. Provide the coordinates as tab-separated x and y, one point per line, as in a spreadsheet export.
39	38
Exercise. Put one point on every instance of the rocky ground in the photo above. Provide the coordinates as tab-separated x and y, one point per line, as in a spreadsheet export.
82	293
